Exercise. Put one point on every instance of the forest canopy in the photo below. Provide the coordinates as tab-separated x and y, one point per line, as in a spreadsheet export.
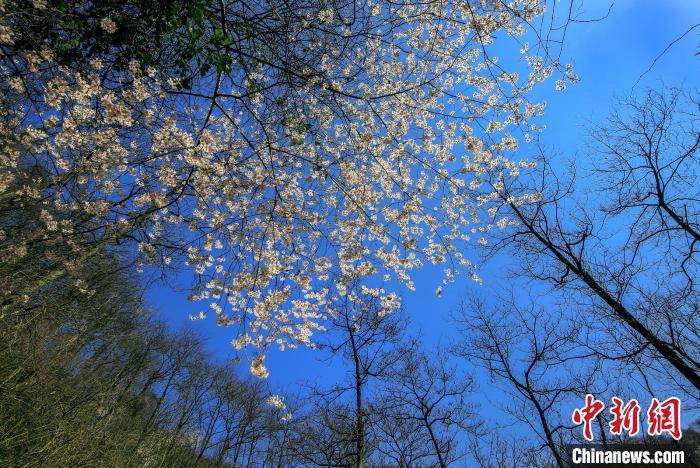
298	167
278	151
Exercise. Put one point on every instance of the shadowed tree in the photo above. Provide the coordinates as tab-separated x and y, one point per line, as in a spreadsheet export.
427	393
535	354
630	256
364	332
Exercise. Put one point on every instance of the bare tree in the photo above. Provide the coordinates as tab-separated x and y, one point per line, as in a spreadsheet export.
535	354
427	393
325	436
494	449
401	442
365	334
630	255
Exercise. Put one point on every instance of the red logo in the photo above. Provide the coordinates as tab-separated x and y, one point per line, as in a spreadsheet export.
665	417
587	414
662	417
624	417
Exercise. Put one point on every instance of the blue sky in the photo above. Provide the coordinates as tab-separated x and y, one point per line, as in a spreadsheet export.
609	56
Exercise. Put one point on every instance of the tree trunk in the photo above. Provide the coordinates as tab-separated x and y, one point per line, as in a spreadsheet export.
620	310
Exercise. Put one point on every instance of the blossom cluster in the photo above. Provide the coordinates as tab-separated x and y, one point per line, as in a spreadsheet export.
381	159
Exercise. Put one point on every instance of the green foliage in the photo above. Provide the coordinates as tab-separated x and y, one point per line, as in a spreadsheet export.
185	40
154	33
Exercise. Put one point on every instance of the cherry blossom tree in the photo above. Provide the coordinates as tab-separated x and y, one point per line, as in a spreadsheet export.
309	145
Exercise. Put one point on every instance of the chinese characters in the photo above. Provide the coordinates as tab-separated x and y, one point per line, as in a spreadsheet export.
662	417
